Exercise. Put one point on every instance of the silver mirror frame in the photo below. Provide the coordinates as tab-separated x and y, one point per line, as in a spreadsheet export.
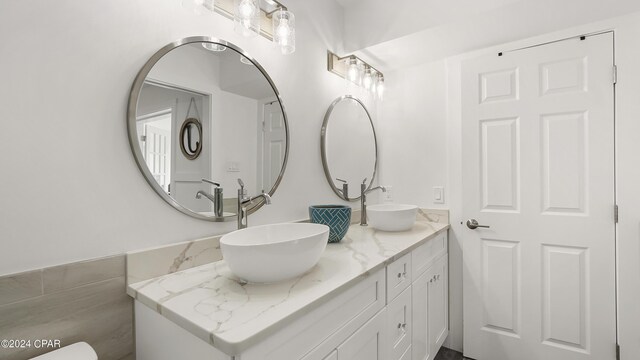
133	137
323	147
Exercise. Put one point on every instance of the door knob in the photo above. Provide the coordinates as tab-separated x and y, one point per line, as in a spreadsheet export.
473	224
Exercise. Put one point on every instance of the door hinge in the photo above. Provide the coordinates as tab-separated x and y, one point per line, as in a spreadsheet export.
615	213
615	74
617	351
143	138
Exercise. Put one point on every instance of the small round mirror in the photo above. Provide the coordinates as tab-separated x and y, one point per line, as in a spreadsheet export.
203	114
349	147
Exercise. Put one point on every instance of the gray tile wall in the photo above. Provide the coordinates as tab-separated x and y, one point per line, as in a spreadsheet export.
83	301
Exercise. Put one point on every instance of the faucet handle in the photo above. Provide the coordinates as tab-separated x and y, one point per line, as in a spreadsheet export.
240	182
344	181
364	181
211	182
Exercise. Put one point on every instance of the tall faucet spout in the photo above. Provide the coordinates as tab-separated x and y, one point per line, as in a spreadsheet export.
363	200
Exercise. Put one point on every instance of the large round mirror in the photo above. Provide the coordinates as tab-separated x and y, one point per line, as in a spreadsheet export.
203	114
349	147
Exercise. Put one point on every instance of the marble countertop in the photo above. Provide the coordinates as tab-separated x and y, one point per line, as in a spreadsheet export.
212	304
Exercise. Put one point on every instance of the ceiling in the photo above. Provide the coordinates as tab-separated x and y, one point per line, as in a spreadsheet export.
416	31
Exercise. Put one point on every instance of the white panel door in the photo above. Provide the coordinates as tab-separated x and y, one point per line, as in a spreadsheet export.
157	154
274	144
538	168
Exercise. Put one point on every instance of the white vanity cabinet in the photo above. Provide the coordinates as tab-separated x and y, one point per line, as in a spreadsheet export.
430	303
396	312
417	312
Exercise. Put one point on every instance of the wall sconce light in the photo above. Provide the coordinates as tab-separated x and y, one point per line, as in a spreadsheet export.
246	17
268	18
357	71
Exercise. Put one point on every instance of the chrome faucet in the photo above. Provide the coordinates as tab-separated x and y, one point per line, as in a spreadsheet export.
216	199
243	215
345	189
363	200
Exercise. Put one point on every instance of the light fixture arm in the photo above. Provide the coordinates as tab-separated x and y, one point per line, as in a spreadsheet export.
277	4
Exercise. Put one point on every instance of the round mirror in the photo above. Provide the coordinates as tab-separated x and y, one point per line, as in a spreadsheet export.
349	147
203	114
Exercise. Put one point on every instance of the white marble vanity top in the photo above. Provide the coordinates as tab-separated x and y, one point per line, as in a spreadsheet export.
212	304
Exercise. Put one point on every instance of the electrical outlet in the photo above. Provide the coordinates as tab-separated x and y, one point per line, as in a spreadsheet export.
387	196
438	194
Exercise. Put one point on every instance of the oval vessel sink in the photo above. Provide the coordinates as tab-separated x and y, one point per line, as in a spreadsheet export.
272	253
392	217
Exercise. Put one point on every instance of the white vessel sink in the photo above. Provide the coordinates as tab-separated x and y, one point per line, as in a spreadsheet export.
272	253
392	217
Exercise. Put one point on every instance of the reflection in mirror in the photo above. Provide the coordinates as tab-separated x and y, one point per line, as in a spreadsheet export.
199	119
349	147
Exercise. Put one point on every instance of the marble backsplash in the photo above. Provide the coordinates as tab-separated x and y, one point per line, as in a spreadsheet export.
150	263
82	301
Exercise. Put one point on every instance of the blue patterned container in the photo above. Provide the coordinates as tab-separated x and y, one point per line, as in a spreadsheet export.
336	217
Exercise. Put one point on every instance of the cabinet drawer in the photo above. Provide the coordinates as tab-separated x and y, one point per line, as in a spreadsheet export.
324	328
422	256
399	325
398	277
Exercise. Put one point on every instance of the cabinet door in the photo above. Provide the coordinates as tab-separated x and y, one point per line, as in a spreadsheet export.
399	325
420	346
368	343
438	307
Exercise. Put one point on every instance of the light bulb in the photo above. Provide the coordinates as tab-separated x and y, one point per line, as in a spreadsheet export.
246	9
367	79
246	17
352	71
283	31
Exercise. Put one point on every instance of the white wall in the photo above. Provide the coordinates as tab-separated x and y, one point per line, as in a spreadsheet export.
412	145
414	157
421	103
72	191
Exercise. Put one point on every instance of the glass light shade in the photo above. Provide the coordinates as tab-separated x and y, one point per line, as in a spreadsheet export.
199	6
374	82
245	61
284	31
367	79
353	71
246	17
380	87
214	47
209	5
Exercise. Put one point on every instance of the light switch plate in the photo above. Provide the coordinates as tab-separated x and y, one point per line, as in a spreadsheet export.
233	166
438	194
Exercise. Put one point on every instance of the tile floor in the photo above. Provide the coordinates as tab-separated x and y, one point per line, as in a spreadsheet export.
448	354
